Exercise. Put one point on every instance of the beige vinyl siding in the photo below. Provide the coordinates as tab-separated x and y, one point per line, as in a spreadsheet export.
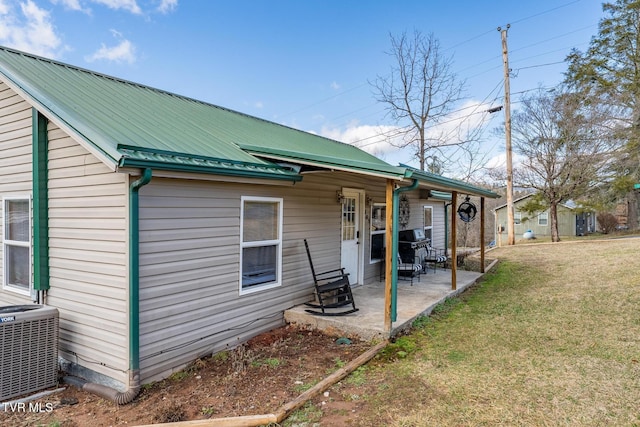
189	264
88	257
190	304
15	165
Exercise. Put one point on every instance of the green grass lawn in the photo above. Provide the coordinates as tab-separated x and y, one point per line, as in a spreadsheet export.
551	337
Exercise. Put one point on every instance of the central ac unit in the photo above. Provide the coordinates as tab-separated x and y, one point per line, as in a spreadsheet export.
28	349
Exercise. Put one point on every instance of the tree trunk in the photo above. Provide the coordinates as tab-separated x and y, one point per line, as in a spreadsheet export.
553	213
632	210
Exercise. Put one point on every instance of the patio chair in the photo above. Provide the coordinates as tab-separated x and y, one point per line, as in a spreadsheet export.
434	256
408	269
332	290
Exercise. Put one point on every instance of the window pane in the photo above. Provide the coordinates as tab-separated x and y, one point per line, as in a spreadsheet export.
259	265
349	218
17	220
17	266
428	217
377	246
378	217
260	221
543	218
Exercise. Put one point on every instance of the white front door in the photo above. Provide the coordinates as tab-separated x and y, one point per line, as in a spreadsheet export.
351	234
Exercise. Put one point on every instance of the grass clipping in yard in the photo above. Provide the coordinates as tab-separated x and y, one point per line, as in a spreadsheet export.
551	337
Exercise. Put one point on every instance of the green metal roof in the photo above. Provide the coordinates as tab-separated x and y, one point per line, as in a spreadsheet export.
111	113
442	183
133	125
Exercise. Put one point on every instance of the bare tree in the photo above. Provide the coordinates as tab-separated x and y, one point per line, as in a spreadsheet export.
420	93
565	148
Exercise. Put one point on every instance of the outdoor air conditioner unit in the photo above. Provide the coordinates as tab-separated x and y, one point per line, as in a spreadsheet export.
28	349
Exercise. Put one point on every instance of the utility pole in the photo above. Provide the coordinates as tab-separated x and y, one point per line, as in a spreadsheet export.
511	238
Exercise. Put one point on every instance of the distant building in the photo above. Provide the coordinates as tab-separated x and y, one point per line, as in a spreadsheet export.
571	221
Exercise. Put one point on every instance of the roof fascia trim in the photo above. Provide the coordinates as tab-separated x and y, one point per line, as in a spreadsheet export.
448	184
195	162
363	171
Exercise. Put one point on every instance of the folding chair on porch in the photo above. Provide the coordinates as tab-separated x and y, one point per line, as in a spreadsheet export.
332	290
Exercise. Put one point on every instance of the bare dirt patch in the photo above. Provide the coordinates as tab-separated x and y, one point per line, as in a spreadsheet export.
256	378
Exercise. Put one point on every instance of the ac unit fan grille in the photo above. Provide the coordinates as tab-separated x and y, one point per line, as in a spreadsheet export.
28	356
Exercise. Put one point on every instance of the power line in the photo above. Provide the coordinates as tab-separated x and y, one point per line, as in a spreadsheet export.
529	17
403	130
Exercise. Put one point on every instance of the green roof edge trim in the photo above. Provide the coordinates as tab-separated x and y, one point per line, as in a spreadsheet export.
138	157
459	186
380	168
440	195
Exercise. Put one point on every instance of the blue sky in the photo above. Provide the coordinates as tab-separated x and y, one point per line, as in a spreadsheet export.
306	64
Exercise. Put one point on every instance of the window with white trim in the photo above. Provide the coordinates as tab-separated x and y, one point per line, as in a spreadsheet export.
260	243
543	218
428	222
16	244
378	231
517	217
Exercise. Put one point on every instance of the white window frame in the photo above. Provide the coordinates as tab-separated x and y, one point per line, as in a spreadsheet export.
424	218
378	231
16	243
543	215
252	244
517	217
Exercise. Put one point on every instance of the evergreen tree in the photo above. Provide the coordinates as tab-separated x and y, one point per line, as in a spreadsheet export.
608	72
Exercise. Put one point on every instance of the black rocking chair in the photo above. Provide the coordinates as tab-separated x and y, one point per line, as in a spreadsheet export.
333	291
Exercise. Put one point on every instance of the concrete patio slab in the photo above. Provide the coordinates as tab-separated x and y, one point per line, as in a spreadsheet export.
368	322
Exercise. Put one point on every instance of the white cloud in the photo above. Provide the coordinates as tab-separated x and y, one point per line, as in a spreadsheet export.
334	85
129	5
164	6
384	141
167	6
496	162
454	128
124	51
370	138
4	8
258	104
71	4
30	29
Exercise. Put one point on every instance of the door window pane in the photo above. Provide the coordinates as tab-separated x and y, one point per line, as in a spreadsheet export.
349	218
